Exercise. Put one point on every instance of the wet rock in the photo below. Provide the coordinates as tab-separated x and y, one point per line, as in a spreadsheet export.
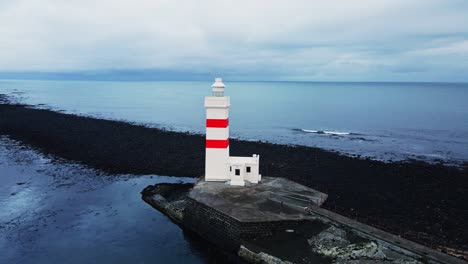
354	251
334	243
168	198
259	258
332	237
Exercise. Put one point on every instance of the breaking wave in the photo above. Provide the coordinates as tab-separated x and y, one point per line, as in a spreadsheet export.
324	132
335	134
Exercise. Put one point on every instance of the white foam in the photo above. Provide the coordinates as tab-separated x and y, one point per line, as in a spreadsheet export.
309	131
326	132
336	133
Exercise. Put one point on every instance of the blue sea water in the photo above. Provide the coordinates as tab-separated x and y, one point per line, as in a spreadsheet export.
427	121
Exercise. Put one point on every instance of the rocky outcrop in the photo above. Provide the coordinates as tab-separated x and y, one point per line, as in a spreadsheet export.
334	243
169	198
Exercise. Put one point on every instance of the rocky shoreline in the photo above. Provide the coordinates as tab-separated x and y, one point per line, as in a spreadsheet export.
420	201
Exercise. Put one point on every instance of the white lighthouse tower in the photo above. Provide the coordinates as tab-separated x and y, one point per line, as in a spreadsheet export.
219	166
217	133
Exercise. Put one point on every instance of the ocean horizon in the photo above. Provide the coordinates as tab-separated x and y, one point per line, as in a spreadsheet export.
380	120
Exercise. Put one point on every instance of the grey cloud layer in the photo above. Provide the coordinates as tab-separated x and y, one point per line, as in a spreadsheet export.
288	40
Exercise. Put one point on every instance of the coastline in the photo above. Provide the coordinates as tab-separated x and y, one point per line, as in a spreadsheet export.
419	201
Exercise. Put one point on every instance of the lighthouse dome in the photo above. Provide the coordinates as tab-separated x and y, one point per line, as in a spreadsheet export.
218	87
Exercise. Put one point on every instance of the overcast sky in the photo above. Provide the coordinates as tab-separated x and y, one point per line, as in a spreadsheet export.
373	40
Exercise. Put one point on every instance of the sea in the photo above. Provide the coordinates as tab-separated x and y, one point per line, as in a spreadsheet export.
57	211
383	121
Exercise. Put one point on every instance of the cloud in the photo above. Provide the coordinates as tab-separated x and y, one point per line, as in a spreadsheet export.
459	48
305	40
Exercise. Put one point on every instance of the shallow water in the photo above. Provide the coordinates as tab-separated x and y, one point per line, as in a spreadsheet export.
381	120
59	212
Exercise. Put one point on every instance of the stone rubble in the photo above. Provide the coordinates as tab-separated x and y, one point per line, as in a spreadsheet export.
333	243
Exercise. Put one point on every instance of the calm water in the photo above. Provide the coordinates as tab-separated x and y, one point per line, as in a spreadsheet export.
381	120
65	213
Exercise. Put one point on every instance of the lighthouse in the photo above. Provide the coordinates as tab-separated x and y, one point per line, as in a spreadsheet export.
219	166
217	133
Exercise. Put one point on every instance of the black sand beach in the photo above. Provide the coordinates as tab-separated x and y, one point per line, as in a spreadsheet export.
420	201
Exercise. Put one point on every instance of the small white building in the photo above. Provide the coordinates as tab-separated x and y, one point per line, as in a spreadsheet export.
219	166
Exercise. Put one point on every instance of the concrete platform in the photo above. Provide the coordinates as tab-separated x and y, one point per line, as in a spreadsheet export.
274	199
279	221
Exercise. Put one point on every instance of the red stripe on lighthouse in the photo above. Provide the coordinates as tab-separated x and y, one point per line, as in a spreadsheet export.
219	123
214	143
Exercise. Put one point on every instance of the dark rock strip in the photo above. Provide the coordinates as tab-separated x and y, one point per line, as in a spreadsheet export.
419	201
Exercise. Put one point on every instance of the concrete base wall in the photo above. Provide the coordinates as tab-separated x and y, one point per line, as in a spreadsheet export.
224	230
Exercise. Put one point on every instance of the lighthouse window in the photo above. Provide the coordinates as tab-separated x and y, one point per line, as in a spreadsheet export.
237	172
230	168
247	169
